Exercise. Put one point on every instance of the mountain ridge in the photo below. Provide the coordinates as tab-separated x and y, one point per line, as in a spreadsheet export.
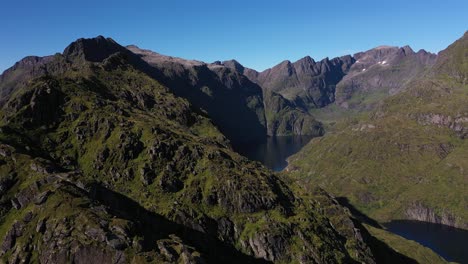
100	162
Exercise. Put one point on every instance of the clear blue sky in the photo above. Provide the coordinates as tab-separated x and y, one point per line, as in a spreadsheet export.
259	34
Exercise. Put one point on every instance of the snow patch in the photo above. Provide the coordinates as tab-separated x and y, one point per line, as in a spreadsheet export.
364	69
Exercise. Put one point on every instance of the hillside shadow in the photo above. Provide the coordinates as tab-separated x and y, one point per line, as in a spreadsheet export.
156	227
343	201
383	253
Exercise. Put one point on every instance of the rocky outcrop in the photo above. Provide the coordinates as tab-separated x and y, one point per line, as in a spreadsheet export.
93	49
420	212
459	124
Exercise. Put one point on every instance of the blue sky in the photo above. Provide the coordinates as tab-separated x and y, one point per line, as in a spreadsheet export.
259	34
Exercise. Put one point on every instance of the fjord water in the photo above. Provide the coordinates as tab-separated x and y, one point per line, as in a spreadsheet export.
448	242
274	151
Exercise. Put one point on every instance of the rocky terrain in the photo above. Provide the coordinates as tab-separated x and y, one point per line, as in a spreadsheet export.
407	158
351	82
102	162
240	108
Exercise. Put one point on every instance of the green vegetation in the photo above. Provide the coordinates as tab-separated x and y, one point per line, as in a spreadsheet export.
407	158
102	162
104	156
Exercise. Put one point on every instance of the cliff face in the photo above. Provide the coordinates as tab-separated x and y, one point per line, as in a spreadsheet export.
305	82
100	162
379	73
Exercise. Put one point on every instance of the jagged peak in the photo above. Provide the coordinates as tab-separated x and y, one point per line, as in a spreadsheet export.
92	49
306	59
407	50
233	64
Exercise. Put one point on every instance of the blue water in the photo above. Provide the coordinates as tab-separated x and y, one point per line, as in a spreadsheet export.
274	151
449	242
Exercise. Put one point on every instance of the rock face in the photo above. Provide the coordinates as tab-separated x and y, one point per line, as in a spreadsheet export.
420	212
93	50
379	73
126	171
358	82
307	83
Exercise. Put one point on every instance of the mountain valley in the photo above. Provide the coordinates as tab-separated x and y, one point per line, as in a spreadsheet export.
113	154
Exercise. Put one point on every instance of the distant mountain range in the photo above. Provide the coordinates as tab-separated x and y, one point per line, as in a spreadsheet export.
112	154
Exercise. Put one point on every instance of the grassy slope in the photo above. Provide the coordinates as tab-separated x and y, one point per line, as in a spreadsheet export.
395	157
407	247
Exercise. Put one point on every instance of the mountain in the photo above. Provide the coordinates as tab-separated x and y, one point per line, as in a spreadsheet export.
406	159
308	83
237	105
356	82
100	162
378	73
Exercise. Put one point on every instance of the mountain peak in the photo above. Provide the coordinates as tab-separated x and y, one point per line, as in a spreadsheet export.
307	59
92	49
384	47
235	65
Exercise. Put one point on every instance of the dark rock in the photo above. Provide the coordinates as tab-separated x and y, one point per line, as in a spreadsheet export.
7	183
28	217
103	155
6	150
170	183
268	246
42	168
42	197
15	203
226	229
94	49
96	234
41	226
116	242
10	238
147	175
167	251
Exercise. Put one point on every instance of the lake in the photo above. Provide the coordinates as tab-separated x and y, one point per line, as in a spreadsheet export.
448	242
274	151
